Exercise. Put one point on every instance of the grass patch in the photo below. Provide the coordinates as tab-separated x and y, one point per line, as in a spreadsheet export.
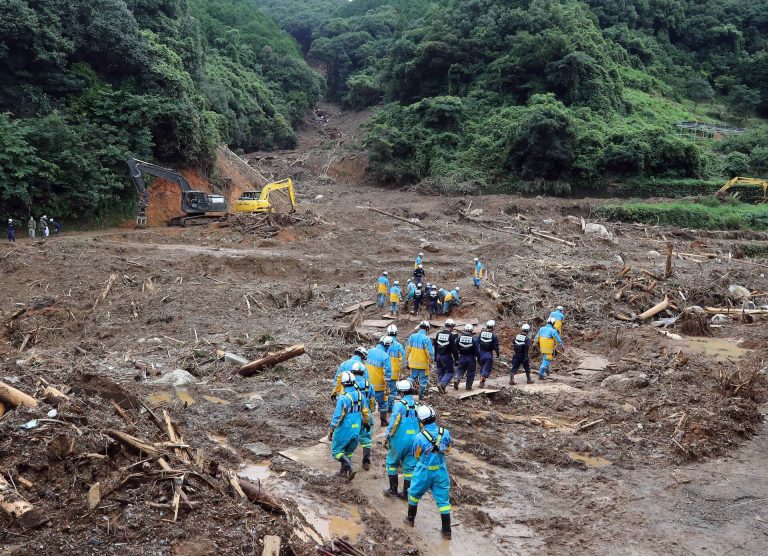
707	215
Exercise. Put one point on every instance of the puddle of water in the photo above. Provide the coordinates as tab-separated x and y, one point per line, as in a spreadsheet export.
331	526
166	396
214	399
590	461
255	471
184	396
221	441
719	349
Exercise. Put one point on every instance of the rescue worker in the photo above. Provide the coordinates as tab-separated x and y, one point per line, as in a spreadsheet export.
433	302
397	361
410	287
431	473
399	440
369	401
479	272
547	335
418	274
395	297
11	231
559	317
43	226
31	227
446	354
380	373
451	298
417	262
488	343
419	353
382	288
348	419
55	225
358	356
418	298
469	351
522	347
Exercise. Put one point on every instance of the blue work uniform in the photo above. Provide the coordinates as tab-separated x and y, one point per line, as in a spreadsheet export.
451	298
417	262
398	364
522	347
379	374
395	296
431	473
419	352
411	287
346	423
469	351
369	402
488	343
478	273
346	366
547	335
559	317
446	355
402	429
382	289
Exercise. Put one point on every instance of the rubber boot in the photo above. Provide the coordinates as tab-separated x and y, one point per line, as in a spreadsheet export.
446	529
366	458
511	379
441	388
422	393
410	519
383	418
455	384
391	492
406	486
350	473
482	383
342	470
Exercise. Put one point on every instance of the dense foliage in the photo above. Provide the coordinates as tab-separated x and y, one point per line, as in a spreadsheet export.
85	84
542	95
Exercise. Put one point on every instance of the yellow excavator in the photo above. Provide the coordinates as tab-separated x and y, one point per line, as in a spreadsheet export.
258	201
744	181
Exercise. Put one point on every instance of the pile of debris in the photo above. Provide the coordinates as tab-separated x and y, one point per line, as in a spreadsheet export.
268	225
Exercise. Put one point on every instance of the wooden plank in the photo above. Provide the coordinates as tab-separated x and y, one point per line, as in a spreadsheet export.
356	306
373	323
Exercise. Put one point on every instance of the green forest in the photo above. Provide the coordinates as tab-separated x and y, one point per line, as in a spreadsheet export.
538	96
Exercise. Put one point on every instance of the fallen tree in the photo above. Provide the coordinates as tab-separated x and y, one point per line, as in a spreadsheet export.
273	359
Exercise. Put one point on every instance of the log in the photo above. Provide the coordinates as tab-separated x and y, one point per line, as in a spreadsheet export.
392	216
53	396
735	311
14	398
17	507
271	546
267	361
2	409
552	238
668	265
133	442
174	437
257	494
655	310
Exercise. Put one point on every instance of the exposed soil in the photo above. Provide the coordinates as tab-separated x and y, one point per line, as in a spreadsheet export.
615	456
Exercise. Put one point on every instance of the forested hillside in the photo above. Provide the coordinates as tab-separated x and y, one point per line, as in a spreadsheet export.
544	95
86	83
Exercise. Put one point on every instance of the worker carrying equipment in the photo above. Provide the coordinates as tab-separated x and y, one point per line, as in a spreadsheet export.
348	419
446	354
382	288
397	361
469	351
558	317
431	474
488	343
399	439
479	272
547	335
522	346
419	352
258	201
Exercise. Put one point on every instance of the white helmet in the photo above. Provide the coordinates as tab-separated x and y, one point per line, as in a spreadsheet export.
404	386
425	414
386	341
476	259
551	320
526	327
424	324
490	324
421	266
392	330
361	351
457	288
397	282
418	285
559	308
358	368
449	323
421	254
429	284
409	280
347	379
10	220
468	327
385	273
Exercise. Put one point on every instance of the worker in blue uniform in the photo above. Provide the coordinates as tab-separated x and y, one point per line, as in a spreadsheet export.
479	272
396	353
369	402
349	418
547	336
419	353
399	439
358	356
488	344
431	474
382	288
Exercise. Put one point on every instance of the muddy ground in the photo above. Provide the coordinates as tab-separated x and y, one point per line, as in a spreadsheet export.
645	443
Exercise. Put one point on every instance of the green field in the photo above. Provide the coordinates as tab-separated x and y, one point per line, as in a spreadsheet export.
708	214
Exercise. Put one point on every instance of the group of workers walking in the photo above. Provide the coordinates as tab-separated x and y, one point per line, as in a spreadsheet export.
44	225
388	376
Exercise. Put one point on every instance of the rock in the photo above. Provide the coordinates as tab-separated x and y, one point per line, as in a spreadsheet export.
739	292
631	379
258	449
11	379
718	319
548	221
253	401
654	254
696	309
591	229
177	377
476	212
318	197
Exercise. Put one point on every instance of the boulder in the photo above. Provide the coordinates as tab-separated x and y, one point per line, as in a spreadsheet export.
738	292
177	377
631	379
258	449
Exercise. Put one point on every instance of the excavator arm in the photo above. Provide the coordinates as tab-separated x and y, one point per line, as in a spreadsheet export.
744	181
278	185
